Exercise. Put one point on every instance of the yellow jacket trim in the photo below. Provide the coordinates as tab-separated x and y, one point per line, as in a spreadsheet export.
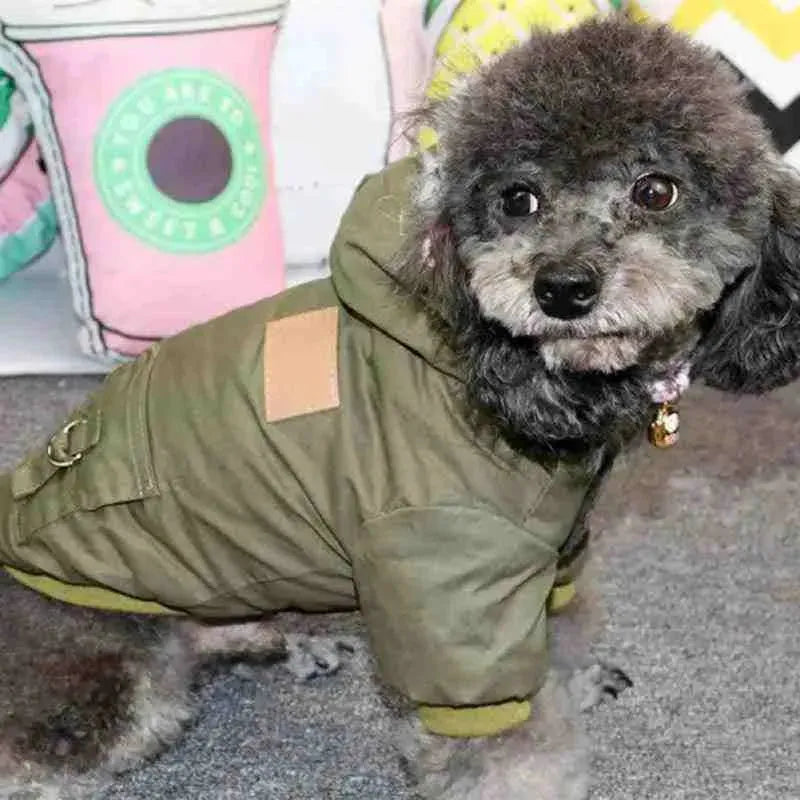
87	596
464	723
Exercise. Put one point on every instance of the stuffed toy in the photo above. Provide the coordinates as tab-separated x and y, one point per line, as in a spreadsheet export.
761	40
154	125
27	216
15	124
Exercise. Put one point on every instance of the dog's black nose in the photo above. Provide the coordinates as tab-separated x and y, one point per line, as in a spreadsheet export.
565	293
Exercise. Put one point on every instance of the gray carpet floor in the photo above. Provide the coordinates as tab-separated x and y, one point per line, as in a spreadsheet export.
699	567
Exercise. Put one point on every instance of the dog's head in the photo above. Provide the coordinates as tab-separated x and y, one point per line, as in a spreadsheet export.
607	196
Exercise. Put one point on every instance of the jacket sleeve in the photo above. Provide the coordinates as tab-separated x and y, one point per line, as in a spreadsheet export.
454	601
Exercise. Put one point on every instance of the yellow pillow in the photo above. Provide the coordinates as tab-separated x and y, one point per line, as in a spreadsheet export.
478	30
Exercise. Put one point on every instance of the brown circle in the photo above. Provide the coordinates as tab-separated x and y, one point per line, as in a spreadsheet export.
190	160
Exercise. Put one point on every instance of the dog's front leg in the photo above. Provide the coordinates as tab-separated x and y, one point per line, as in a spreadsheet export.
546	758
305	657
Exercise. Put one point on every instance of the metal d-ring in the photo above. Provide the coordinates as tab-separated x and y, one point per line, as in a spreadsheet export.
73	458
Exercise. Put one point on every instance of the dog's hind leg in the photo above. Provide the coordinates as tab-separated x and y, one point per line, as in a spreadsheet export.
85	694
156	710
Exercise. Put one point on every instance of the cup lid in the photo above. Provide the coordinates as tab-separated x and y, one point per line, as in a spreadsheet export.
32	20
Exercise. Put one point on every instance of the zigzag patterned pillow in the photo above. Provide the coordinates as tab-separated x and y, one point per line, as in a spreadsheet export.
761	39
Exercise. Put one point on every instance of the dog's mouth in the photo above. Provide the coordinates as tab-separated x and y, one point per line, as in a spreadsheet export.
597	336
599	352
614	351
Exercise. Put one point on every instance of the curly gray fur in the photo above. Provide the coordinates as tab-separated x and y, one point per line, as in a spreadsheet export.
752	342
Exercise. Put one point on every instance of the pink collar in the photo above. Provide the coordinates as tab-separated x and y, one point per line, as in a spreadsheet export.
669	388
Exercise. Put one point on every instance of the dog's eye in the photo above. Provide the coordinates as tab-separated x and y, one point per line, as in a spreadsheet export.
519	201
654	192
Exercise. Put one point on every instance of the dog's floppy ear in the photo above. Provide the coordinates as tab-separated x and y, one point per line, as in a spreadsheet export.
429	265
753	343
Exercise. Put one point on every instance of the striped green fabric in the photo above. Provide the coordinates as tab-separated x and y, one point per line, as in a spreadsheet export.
19	248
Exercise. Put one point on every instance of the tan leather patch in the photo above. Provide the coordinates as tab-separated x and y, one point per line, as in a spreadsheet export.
301	373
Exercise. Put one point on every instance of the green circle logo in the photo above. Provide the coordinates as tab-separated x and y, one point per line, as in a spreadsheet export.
179	161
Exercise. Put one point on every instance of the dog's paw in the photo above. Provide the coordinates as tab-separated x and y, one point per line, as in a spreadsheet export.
546	758
598	683
309	657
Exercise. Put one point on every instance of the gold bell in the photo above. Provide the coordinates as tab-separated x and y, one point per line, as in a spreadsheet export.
663	430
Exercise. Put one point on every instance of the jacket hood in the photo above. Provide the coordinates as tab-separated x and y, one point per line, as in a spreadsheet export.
364	251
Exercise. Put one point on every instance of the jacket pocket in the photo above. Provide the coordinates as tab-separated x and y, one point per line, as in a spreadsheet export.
100	455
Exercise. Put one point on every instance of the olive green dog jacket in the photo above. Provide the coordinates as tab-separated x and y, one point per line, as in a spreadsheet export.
310	451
